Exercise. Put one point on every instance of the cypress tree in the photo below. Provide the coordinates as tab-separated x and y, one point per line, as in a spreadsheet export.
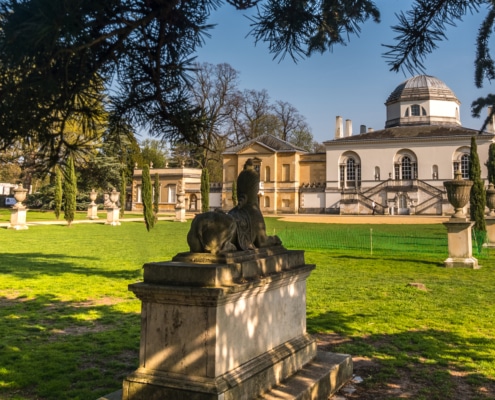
147	198
156	195
58	193
123	187
477	197
490	164
234	192
205	190
70	192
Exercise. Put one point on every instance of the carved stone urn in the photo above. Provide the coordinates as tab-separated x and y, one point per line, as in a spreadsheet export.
490	199
458	194
92	197
114	197
20	195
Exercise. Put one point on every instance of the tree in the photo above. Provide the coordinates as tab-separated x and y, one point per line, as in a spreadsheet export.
58	194
490	164
56	54
147	198
205	190
123	189
70	192
156	195
421	28
154	151
477	198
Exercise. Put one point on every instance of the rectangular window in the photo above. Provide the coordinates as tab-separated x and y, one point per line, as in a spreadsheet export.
286	173
171	195
285	203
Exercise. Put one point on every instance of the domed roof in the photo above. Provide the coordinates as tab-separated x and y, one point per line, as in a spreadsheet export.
422	87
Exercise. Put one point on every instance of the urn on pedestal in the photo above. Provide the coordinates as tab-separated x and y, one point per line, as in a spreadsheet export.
18	212
458	191
490	199
459	227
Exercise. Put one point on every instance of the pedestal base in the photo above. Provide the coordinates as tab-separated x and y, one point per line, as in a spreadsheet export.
460	244
470	262
228	327
317	380
113	215
18	219
93	211
180	214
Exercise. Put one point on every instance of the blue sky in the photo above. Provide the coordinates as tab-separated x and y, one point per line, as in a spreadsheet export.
352	81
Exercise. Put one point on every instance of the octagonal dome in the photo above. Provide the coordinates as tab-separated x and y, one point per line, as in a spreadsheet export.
422	100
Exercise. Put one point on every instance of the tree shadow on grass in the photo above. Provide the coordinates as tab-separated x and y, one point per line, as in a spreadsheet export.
27	265
421	364
59	350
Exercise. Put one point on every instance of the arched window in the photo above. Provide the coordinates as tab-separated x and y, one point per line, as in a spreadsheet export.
465	166
350	171
405	166
415	110
267	201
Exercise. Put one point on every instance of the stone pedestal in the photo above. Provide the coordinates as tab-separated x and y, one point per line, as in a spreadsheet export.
93	211
230	327
180	214
490	230
18	218
113	216
460	244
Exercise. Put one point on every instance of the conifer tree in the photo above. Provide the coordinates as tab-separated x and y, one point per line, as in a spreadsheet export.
147	198
70	192
123	187
490	164
156	195
477	197
58	193
205	190
234	192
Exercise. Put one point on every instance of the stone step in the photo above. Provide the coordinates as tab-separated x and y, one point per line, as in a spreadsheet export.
318	380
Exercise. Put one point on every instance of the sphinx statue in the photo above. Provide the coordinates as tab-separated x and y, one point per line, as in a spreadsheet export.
242	228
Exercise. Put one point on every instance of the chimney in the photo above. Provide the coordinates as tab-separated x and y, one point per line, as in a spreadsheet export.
348	127
370	129
339	128
362	129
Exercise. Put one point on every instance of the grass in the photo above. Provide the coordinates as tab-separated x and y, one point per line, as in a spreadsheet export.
70	329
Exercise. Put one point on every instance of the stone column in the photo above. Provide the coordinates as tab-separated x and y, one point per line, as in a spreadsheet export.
19	211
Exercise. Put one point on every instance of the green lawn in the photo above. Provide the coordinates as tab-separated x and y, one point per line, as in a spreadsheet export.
70	328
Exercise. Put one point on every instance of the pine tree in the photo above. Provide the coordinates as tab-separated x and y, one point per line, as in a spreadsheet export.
58	193
205	190
477	197
147	198
490	164
70	192
156	195
234	192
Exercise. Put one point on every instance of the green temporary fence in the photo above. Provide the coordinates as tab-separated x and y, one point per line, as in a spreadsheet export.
372	240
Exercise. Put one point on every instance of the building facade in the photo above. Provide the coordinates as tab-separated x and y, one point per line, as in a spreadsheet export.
396	170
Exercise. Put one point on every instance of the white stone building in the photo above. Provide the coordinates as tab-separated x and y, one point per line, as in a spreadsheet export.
402	167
